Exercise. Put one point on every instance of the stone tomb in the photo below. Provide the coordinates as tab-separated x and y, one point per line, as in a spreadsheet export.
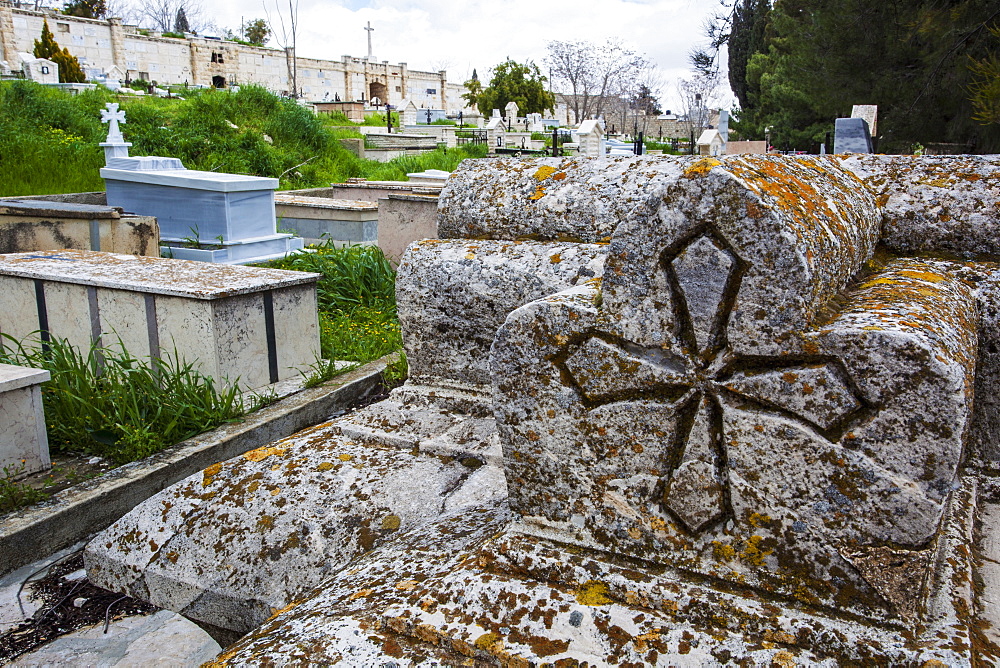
321	219
24	445
246	324
715	428
207	216
31	224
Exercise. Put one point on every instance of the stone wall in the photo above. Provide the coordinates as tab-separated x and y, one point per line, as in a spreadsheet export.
99	44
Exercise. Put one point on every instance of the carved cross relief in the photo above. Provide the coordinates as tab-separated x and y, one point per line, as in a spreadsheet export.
696	388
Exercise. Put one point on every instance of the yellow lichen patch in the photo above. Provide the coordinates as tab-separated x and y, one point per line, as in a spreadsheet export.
391	522
782	637
407	585
345	457
489	641
701	167
260	454
722	551
538	194
265	523
752	553
470	256
555	259
277	611
544	172
275	491
593	592
758	519
784	659
325	466
210	474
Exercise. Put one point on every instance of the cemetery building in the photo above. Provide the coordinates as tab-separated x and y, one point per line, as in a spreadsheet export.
108	45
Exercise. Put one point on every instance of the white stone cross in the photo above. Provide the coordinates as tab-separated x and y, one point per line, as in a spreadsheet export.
369	30
113	116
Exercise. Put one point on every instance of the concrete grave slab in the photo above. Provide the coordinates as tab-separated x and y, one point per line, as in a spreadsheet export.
248	323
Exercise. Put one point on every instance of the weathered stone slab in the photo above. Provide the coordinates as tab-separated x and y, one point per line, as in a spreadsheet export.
940	204
246	537
452	296
453	592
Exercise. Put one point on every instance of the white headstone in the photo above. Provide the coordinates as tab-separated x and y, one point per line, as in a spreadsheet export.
510	111
711	143
496	113
590	137
40	70
407	112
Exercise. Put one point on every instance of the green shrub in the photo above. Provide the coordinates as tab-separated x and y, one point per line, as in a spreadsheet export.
357	300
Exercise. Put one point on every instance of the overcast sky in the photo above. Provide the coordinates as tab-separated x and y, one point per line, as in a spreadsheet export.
459	35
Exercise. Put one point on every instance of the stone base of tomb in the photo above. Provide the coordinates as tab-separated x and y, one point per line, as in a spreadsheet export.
245	251
472	589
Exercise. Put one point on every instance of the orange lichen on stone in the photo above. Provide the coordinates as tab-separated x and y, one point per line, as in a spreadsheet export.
538	194
701	167
277	611
210	474
260	454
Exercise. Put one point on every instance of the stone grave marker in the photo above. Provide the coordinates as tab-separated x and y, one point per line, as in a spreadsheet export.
24	444
254	325
851	136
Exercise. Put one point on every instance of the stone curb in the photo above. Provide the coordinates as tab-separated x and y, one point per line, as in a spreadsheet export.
75	513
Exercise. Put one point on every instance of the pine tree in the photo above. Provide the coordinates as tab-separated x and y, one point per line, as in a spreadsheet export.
46	47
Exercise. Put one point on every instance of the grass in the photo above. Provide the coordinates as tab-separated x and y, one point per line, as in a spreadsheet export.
52	138
106	402
356	298
14	494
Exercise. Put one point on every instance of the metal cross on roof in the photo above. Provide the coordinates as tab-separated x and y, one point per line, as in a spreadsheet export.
113	116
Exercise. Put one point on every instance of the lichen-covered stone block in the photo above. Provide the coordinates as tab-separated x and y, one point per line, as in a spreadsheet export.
453	295
709	408
940	204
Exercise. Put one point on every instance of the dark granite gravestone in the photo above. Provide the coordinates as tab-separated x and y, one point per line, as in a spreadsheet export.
851	136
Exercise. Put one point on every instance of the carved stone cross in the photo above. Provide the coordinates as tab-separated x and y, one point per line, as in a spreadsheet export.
814	392
113	116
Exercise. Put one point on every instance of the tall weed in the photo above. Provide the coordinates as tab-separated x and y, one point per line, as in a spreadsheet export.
109	403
